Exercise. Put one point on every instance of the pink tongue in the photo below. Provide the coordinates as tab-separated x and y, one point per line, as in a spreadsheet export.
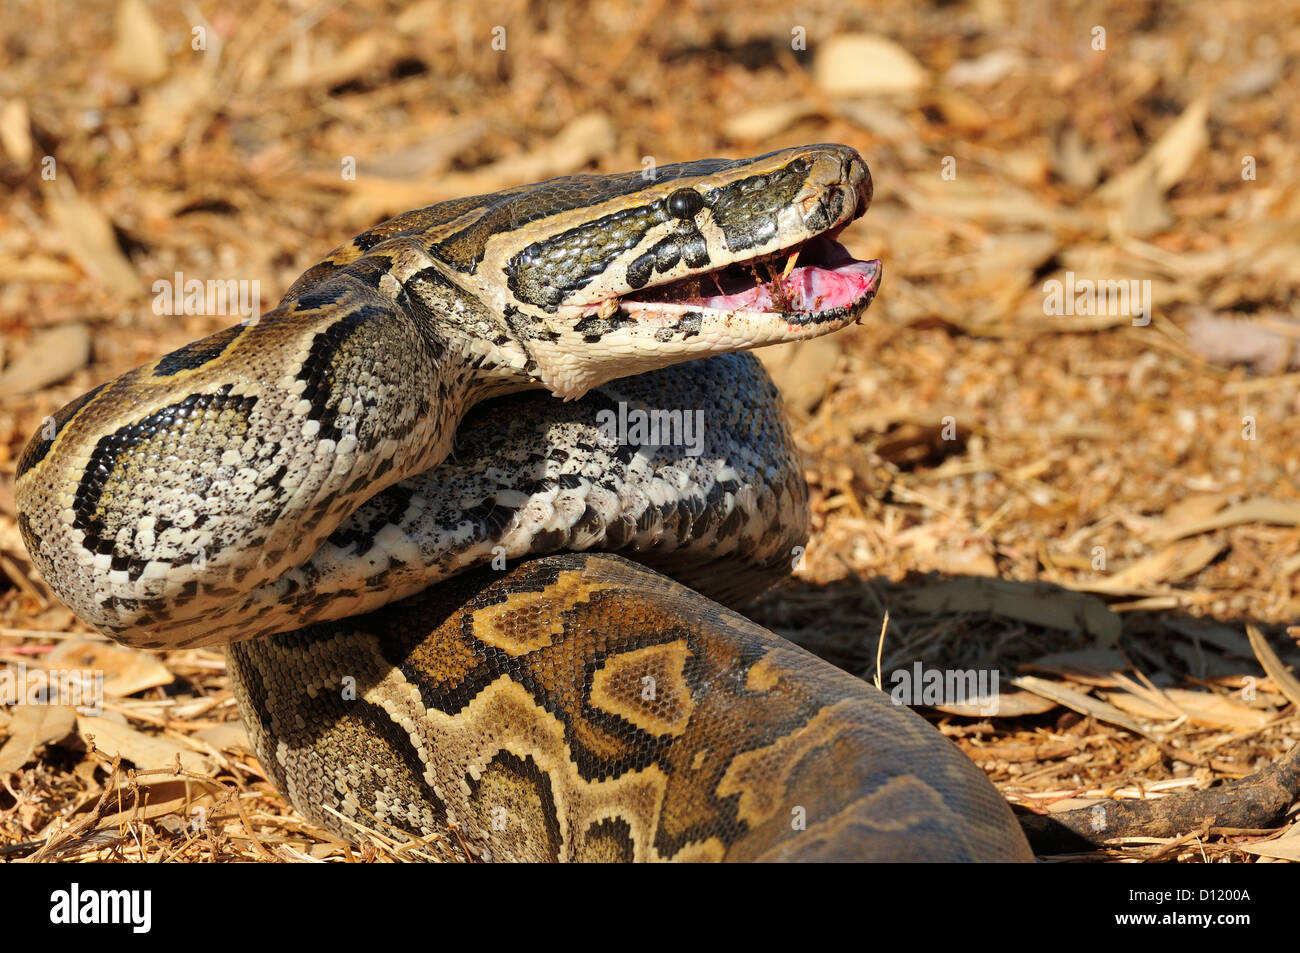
810	288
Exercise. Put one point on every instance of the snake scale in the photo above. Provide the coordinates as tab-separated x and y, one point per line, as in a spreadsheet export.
445	594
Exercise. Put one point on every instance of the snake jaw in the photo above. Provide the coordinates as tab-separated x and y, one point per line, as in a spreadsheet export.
819	282
770	270
774	273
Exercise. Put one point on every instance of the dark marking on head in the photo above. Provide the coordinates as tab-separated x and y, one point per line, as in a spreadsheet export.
546	273
695	250
667	254
197	353
593	328
640	270
747	209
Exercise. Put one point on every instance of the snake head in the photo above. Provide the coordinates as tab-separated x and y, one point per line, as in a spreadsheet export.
606	276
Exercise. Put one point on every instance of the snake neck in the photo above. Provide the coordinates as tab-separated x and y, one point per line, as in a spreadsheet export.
156	501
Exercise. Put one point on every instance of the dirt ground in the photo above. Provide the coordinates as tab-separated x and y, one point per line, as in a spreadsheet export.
1092	495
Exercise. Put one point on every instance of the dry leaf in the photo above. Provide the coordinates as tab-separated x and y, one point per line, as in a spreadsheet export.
760	122
126	671
1072	161
1203	708
1286	683
167	110
142	750
1077	701
1142	208
1286	847
331	70
227	736
987	69
1226	342
31	726
139	50
49	357
36	269
16	131
801	371
88	233
1170	565
1040	604
855	64
1167	161
186	798
427	158
1009	705
583	140
1275	512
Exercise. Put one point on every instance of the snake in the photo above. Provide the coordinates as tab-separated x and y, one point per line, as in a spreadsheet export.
474	510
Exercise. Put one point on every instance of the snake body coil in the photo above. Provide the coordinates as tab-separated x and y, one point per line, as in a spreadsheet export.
335	492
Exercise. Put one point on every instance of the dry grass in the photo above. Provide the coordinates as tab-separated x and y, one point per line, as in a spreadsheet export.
1132	487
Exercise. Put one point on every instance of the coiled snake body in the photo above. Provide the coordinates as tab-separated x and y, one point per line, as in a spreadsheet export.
365	496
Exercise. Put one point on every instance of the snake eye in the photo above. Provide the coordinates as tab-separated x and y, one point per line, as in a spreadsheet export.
684	203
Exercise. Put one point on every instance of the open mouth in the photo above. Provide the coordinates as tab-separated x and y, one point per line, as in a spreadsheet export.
813	278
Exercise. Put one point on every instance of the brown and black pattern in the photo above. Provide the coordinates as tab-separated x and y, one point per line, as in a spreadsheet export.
614	714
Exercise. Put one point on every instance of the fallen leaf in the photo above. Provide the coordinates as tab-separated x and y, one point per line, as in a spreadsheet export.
583	140
332	69
126	671
227	736
1007	705
1286	683
987	69
142	750
36	269
1037	603
16	131
30	727
50	356
801	371
89	235
1274	512
1203	708
862	63
1286	847
1227	342
139	49
1166	162
760	122
1170	565
1077	701
1073	162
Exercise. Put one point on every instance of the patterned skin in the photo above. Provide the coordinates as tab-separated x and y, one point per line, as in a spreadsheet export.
369	441
581	707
